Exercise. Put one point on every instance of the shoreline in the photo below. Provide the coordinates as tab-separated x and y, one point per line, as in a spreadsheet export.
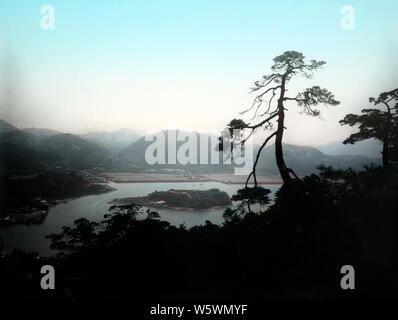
118	177
32	216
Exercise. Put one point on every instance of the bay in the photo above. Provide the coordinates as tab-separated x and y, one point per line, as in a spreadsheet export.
93	207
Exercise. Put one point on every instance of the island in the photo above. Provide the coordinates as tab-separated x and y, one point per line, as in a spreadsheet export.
180	199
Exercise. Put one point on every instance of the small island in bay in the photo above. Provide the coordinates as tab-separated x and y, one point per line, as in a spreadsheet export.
180	199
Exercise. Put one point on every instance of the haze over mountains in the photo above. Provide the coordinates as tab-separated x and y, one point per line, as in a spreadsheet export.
124	150
368	148
305	160
114	141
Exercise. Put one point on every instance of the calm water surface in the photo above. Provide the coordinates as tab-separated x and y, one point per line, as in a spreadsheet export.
32	237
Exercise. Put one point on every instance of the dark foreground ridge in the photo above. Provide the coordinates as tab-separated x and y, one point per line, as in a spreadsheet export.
187	199
294	249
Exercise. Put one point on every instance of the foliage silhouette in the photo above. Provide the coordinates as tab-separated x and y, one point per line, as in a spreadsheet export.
294	249
379	124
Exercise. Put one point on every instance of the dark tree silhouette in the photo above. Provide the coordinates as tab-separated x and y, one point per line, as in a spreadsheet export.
286	66
74	239
376	123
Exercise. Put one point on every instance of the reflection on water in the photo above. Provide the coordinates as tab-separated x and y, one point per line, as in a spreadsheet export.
32	237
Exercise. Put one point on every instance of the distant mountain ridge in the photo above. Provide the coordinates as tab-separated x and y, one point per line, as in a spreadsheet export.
5	126
304	160
39	149
115	141
42	133
133	157
368	148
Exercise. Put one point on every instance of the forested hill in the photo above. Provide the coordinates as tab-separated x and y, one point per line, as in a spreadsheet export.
21	150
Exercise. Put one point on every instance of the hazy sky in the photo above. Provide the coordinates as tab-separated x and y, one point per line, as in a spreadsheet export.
187	64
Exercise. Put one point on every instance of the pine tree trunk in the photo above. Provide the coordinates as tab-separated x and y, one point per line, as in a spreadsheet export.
279	136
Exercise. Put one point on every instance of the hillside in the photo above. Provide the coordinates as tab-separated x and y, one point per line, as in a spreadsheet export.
41	133
133	158
368	148
21	150
75	152
114	141
5	126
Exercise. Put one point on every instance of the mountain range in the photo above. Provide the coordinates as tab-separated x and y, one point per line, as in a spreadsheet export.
304	160
123	150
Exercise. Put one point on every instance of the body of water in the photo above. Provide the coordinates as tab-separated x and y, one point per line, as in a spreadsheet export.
32	237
